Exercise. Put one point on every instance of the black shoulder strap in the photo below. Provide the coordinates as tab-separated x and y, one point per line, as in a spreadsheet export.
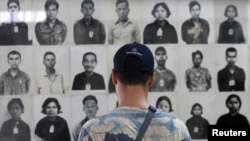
145	124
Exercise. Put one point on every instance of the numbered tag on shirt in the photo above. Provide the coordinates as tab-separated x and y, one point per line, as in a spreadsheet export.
88	87
196	129
15	29
161	83
231	82
230	31
91	34
159	32
51	129
15	130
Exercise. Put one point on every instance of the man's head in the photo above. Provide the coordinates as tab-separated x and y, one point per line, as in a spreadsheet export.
233	103
15	108
51	8
89	61
161	56
14	59
195	9
49	60
231	55
122	9
87	8
13	7
197	57
133	65
90	106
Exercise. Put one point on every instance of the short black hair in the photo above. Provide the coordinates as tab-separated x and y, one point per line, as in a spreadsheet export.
231	49
160	48
197	52
235	9
193	3
133	77
48	53
164	98
14	52
49	100
87	1
15	1
89	53
89	97
51	2
164	5
196	104
15	101
232	96
122	1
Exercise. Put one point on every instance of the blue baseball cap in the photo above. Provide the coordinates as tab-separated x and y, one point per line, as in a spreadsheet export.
140	51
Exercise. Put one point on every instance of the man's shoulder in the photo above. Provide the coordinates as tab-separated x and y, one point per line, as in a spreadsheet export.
97	74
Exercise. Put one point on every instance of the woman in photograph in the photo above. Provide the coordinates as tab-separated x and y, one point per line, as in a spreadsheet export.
160	31
230	31
52	127
15	129
197	125
164	103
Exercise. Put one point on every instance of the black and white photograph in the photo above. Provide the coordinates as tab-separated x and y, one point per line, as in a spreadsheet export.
196	22
89	68
16	70
88	22
197	65
52	70
51	23
160	22
231	66
231	22
16	22
124	21
52	115
86	107
16	122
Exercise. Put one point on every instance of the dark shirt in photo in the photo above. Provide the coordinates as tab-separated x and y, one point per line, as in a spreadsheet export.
228	119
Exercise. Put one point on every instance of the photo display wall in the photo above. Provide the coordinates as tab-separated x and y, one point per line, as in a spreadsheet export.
59	52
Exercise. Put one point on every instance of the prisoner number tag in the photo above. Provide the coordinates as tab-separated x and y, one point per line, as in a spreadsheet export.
231	82
15	130
91	34
230	31
196	129
15	29
159	32
51	129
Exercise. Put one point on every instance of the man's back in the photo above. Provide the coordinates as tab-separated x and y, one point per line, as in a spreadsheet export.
124	123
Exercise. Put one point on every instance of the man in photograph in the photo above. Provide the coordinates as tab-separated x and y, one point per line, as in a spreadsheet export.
90	108
165	79
123	30
233	103
232	77
14	81
51	82
198	78
14	31
89	30
195	30
88	80
52	31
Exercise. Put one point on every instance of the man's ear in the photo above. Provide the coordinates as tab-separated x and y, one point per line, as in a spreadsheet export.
114	77
151	79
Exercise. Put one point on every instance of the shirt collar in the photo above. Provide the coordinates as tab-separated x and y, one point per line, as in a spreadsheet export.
128	22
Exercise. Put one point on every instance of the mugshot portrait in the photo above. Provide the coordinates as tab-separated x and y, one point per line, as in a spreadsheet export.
16	22
195	23
124	27
51	23
160	23
85	107
88	68
16	122
16	71
166	70
197	67
88	22
231	66
231	22
52	117
52	70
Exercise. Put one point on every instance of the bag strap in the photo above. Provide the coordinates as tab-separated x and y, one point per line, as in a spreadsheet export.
145	124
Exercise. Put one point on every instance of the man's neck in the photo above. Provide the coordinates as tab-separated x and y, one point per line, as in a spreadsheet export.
123	21
13	71
50	71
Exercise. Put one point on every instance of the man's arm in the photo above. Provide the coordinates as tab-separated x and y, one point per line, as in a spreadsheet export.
1	86
102	34
110	36
137	34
